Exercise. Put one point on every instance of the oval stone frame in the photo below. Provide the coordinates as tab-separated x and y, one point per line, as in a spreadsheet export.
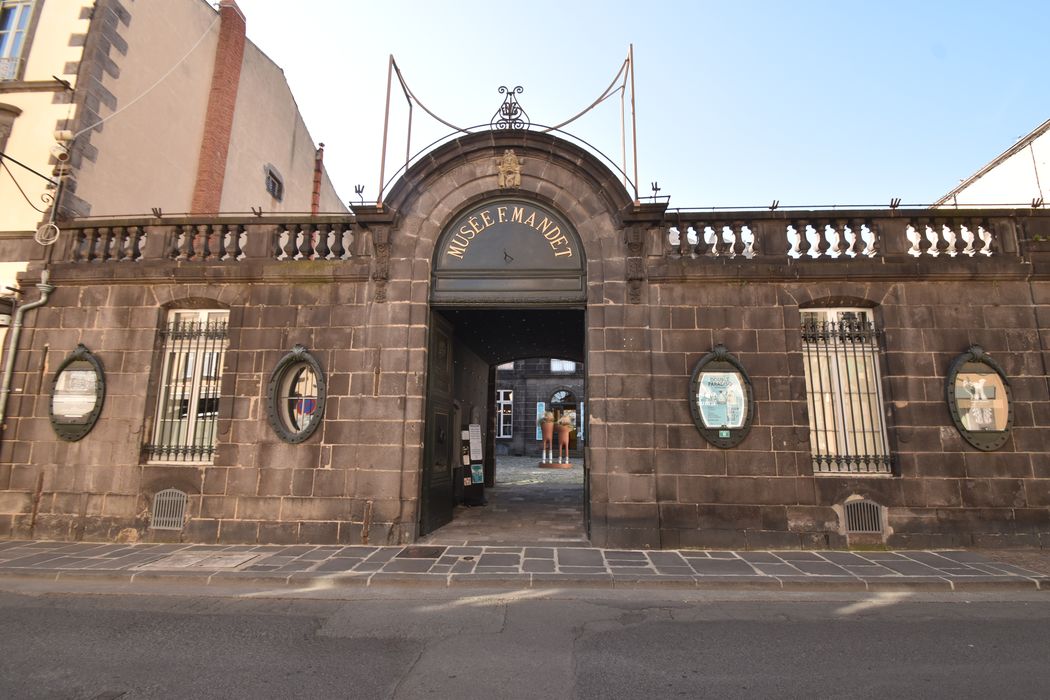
73	428
721	360
984	440
297	356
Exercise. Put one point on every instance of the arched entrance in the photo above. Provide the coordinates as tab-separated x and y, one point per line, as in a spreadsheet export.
508	283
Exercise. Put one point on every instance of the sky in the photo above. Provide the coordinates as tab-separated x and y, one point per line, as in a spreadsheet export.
737	103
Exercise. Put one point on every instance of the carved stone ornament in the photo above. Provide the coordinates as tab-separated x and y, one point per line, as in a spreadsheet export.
508	170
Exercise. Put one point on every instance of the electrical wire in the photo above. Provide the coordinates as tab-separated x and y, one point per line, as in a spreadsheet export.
15	180
160	80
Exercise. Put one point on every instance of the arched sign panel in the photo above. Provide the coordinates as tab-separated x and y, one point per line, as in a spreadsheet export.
509	250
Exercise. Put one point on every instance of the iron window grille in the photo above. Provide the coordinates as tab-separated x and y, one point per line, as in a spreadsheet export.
274	185
188	409
847	430
504	413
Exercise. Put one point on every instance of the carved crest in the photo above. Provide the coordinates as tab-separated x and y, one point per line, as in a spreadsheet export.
508	170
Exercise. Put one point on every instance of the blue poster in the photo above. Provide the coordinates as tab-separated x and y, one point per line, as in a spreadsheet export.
477	474
541	408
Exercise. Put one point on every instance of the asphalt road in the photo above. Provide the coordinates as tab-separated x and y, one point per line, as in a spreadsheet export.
561	644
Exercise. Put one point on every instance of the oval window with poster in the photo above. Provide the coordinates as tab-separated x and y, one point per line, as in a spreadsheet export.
296	396
721	399
77	393
979	399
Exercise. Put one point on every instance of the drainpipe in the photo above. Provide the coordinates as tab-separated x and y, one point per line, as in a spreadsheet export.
12	345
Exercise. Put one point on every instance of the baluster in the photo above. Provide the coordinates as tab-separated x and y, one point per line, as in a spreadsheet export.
80	245
683	240
232	247
873	238
306	242
278	247
338	250
94	241
322	249
729	238
921	243
850	236
135	240
185	243
750	240
108	243
698	241
809	240
834	234
986	231
714	249
120	244
931	238
794	235
202	243
951	237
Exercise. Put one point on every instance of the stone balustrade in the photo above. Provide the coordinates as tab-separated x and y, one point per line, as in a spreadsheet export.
222	240
843	236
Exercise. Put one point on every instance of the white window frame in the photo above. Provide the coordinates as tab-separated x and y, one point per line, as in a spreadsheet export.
13	41
847	426
504	413
185	426
562	366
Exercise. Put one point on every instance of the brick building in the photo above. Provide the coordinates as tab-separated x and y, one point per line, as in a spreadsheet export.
753	379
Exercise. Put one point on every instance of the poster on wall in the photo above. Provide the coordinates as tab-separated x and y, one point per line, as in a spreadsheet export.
474	430
541	407
720	398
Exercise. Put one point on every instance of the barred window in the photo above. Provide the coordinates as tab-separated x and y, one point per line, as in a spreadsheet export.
504	413
188	409
847	432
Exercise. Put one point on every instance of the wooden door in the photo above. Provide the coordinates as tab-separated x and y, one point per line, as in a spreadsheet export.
441	437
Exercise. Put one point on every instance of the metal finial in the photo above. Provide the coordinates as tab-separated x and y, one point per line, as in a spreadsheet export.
510	115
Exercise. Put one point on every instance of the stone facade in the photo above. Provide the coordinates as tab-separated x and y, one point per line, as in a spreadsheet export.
534	381
662	289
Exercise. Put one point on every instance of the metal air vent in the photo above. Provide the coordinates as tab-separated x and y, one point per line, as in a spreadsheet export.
169	510
863	517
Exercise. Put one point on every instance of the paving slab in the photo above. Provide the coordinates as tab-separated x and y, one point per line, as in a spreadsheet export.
521	566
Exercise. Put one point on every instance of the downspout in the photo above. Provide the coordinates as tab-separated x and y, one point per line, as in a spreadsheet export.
12	345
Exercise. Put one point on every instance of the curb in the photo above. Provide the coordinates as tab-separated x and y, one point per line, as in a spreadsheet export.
538	581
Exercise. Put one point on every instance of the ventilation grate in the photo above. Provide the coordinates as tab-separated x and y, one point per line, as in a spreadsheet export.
863	516
169	510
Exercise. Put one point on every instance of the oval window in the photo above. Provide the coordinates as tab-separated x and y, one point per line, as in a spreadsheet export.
979	399
296	396
77	393
720	398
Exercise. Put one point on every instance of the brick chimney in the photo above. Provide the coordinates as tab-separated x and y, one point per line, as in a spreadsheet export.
218	121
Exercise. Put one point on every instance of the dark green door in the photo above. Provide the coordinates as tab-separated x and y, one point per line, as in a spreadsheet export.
440	433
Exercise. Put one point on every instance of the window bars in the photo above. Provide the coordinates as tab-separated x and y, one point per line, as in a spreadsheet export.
188	410
847	430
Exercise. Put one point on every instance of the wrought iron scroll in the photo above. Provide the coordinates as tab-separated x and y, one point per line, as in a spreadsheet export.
510	114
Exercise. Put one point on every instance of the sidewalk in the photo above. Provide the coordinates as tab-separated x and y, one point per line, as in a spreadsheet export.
519	567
